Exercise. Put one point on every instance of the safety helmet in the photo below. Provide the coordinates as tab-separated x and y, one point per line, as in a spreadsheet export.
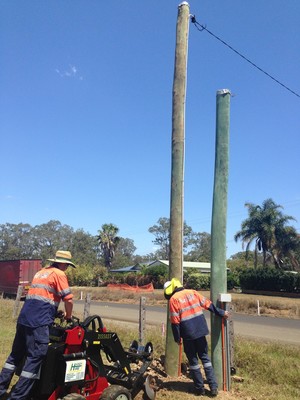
170	287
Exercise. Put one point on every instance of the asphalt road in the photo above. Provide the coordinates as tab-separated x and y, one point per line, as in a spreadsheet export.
256	327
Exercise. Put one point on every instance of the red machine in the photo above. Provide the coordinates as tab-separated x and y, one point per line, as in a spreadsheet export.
15	273
84	361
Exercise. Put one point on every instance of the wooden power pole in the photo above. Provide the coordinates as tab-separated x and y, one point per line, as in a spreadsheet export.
218	228
177	171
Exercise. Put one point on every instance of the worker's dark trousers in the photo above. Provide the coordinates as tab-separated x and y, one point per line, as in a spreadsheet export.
30	344
199	348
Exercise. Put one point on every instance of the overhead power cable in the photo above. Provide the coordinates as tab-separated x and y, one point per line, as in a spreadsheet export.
202	28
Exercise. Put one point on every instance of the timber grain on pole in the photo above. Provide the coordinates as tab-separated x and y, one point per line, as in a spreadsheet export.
219	220
177	170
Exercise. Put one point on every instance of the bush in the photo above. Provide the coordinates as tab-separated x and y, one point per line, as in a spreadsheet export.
158	275
269	279
83	275
233	280
198	281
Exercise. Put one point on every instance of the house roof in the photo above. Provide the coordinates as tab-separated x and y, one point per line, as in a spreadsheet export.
133	268
202	266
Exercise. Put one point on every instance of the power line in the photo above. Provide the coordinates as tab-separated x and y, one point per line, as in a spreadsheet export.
202	28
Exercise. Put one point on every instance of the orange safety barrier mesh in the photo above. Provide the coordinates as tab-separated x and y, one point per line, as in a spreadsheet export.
125	286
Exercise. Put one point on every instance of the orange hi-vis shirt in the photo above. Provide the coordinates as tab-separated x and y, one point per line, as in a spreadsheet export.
49	286
186	314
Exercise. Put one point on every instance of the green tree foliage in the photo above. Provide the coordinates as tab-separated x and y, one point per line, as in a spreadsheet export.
158	275
108	242
200	243
124	253
50	237
242	260
198	281
270	279
84	248
161	231
286	247
16	241
243	256
266	227
83	275
42	241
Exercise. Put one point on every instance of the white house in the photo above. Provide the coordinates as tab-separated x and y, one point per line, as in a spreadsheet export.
202	267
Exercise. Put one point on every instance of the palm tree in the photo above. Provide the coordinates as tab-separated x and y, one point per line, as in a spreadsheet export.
108	241
266	227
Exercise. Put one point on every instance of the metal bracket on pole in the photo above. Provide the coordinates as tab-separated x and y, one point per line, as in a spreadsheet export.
225	299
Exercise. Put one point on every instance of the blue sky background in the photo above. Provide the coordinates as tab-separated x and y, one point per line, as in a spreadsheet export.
86	108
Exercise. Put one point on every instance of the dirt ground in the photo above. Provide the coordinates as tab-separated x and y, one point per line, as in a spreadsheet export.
178	388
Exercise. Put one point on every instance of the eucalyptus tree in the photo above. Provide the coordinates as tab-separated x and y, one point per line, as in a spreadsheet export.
200	247
84	248
108	242
266	227
161	231
16	241
50	237
124	254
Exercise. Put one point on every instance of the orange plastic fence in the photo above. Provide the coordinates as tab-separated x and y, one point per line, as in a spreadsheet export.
125	286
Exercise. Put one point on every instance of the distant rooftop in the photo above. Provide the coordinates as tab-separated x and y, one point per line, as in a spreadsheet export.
203	267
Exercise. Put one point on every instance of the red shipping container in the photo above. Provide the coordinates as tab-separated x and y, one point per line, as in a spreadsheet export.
15	273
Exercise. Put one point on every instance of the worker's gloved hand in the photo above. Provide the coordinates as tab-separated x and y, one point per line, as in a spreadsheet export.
226	314
60	314
71	322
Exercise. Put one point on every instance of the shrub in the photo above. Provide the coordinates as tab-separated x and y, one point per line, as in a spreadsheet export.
157	275
233	280
269	279
83	275
198	281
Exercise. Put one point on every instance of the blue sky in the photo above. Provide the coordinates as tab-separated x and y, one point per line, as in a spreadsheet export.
86	108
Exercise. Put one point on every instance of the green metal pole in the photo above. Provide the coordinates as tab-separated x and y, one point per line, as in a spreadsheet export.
218	228
177	172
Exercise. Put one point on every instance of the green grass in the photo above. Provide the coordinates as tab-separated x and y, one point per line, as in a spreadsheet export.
268	371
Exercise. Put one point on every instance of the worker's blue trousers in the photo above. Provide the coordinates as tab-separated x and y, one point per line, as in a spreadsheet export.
199	348
30	344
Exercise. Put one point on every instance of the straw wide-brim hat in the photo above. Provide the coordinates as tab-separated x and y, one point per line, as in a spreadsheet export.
63	257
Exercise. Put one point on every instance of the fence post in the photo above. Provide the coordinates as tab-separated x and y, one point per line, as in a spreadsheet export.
87	305
142	320
17	302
